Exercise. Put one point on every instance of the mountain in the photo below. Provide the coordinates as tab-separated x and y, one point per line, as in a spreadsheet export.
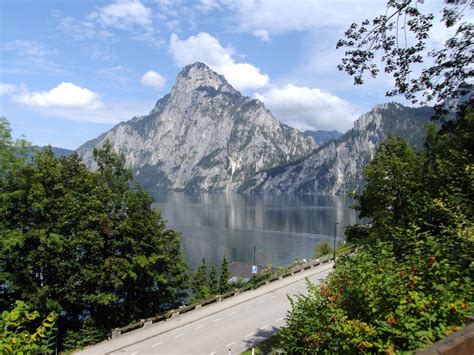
59	152
321	136
203	135
336	166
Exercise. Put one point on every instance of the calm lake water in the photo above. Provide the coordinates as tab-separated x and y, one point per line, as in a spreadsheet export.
284	227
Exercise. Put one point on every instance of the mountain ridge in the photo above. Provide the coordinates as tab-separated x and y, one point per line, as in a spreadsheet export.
336	166
203	135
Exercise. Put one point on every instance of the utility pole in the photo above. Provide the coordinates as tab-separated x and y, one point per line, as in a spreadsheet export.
335	234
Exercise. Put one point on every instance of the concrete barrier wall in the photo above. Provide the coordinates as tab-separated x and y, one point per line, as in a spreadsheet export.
458	343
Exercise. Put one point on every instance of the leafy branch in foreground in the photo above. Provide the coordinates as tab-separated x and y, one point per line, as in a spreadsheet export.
399	38
22	333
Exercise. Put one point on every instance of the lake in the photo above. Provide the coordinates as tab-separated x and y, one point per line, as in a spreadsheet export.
284	227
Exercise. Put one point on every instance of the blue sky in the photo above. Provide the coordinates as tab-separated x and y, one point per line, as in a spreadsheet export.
72	69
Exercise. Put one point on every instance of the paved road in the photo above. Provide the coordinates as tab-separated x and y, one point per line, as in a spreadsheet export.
230	326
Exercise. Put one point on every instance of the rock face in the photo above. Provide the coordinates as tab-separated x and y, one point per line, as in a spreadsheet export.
321	136
336	167
203	135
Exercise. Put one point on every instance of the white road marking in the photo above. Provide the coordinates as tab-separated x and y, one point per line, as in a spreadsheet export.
230	344
217	320
157	344
213	353
273	296
234	313
278	320
248	307
260	302
293	288
135	353
248	335
265	326
201	326
179	335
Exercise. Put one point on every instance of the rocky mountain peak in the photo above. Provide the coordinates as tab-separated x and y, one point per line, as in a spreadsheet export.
199	76
203	135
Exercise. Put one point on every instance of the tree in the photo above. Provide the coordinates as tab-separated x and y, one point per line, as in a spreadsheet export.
400	39
21	333
322	249
12	152
224	277
410	282
86	245
200	286
392	184
213	283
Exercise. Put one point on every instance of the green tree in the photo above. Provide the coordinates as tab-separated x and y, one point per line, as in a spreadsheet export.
224	285
400	38
86	245
21	331
213	283
200	286
322	249
410	282
12	152
392	184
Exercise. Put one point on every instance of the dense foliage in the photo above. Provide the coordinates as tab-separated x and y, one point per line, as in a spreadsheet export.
410	281
400	37
322	249
21	333
84	244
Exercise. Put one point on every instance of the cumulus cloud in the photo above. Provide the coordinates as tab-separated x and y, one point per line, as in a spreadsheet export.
308	108
65	95
262	35
123	14
7	89
153	79
205	48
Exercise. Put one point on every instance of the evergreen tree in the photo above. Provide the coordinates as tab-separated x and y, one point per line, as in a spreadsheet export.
200	286
224	285
213	283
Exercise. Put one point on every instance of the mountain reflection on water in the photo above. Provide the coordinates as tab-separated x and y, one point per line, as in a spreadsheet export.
284	227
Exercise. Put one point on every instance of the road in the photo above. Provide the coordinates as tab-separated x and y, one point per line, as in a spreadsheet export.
227	327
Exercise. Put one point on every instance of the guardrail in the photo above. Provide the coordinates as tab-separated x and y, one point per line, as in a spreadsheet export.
184	309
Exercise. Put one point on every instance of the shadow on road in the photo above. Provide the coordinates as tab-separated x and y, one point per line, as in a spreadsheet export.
259	337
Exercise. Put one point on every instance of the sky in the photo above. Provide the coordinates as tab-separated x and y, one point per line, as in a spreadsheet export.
72	69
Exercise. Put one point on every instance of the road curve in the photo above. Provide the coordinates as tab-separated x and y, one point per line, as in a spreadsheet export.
227	327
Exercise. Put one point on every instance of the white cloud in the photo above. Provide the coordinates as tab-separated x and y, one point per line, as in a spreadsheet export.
28	56
124	14
65	95
302	15
207	49
262	35
111	112
153	79
308	108
7	89
120	74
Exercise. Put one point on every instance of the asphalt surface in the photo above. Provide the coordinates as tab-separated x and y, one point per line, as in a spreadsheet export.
227	327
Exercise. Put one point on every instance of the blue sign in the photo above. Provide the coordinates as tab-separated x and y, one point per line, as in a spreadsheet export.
254	269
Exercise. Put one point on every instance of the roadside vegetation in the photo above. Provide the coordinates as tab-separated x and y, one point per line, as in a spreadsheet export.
408	281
